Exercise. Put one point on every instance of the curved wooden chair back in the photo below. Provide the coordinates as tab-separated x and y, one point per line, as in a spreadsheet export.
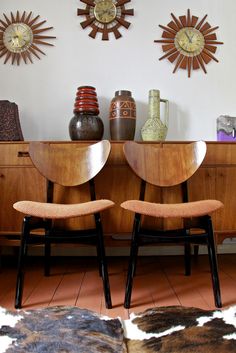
69	166
165	166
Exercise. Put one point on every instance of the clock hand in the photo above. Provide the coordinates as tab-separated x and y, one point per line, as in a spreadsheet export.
111	12
102	12
189	39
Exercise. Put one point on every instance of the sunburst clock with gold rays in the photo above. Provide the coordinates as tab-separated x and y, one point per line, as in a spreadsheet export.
20	37
105	16
189	43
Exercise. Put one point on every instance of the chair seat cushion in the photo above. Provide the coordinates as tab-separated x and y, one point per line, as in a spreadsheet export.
61	211
183	210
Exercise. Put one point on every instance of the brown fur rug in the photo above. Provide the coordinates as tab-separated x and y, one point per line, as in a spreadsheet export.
71	329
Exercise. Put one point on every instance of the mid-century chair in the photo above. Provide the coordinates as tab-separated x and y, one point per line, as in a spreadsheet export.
166	167
68	167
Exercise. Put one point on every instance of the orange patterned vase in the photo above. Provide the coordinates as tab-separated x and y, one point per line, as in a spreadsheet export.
122	116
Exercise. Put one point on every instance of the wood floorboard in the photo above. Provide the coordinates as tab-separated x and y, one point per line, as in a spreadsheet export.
159	281
229	266
160	288
7	280
44	291
68	290
91	292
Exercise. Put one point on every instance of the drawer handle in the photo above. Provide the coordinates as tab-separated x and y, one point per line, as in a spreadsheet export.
22	154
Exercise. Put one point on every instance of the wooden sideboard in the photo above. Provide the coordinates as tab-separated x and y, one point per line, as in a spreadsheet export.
19	180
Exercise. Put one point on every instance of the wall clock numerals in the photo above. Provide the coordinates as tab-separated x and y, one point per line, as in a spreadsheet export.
189	43
20	37
105	16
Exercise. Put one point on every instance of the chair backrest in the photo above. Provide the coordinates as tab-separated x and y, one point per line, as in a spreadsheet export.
67	165
163	165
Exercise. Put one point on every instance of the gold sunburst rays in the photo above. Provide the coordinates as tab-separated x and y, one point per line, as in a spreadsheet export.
188	42
21	36
109	20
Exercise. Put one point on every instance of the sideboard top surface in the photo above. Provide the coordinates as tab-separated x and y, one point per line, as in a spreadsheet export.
218	153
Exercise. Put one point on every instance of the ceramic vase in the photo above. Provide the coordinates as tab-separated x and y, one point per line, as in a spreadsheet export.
122	116
86	124
154	128
226	128
86	127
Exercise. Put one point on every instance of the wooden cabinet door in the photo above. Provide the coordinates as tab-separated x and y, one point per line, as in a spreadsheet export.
226	192
217	183
18	183
202	186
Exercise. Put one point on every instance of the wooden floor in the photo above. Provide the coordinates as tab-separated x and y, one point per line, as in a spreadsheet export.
159	282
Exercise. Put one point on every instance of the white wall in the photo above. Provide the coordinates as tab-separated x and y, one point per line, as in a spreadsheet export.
45	91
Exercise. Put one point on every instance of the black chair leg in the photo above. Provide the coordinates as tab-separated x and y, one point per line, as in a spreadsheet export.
20	270
131	272
187	255
99	260
102	262
47	254
196	250
213	265
132	262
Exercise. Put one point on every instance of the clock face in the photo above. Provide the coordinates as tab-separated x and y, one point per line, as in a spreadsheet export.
18	37
189	41
105	11
105	17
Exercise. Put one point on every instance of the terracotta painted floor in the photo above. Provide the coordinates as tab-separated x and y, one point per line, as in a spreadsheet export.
159	281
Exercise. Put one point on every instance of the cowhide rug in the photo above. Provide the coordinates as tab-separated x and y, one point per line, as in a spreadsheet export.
71	329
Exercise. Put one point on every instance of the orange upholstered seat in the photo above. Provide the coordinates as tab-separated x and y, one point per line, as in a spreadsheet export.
165	167
66	167
59	211
183	210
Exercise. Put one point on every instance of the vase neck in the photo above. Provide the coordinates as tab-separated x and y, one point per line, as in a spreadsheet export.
123	93
154	104
85	113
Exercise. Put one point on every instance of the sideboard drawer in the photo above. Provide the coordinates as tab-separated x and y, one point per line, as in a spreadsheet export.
220	153
14	154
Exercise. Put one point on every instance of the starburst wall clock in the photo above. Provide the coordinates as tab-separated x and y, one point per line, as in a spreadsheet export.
189	43
20	37
105	16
